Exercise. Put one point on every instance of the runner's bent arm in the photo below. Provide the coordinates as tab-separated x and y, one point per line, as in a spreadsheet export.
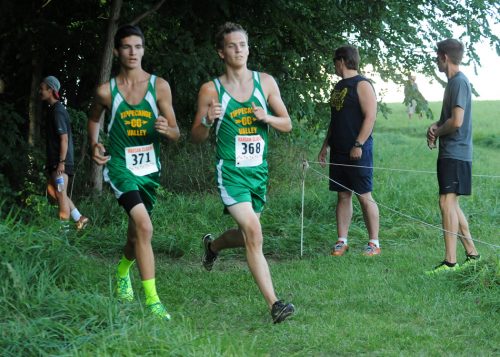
208	108
101	102
281	121
166	124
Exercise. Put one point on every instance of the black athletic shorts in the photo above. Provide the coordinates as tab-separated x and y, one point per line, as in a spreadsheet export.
358	179
454	176
130	199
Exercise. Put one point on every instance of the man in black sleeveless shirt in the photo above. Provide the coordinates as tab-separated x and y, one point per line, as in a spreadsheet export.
353	111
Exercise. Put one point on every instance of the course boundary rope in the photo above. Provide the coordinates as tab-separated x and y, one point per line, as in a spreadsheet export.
393	169
306	166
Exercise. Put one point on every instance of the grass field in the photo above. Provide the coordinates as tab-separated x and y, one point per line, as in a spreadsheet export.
57	291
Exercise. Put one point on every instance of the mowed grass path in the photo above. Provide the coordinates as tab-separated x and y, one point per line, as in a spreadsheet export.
354	305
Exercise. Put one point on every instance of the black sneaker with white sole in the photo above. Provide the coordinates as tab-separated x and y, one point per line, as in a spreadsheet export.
280	311
209	257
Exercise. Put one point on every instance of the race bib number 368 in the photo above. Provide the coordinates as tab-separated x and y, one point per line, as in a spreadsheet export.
249	150
141	160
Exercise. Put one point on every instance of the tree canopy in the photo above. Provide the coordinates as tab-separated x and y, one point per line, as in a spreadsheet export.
291	40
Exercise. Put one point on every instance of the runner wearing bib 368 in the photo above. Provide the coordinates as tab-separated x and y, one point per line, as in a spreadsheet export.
242	148
140	107
240	103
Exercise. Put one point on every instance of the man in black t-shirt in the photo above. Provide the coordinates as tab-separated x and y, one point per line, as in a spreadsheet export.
59	151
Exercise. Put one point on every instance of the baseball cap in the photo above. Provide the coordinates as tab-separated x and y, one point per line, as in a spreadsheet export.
53	83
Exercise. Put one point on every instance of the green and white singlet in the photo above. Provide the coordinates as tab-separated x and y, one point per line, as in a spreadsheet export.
242	141
134	145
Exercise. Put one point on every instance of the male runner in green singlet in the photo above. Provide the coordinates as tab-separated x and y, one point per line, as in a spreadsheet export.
240	103
140	107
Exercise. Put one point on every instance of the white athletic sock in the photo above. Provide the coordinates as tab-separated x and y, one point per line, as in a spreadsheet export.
342	239
375	241
75	214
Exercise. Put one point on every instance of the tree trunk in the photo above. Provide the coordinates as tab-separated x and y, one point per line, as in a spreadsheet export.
34	110
104	73
147	13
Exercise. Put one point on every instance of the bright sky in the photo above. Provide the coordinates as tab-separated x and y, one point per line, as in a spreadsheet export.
485	82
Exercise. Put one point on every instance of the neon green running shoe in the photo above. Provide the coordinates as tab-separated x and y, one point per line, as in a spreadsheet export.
159	311
442	268
124	289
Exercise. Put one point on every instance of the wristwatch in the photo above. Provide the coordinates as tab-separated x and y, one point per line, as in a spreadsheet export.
205	123
357	144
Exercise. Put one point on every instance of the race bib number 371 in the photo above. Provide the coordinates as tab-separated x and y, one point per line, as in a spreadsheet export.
249	150
141	160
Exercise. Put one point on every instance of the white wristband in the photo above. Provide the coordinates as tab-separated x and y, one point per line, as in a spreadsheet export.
205	123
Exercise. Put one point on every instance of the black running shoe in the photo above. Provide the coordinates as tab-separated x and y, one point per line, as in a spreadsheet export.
471	260
470	257
209	257
280	311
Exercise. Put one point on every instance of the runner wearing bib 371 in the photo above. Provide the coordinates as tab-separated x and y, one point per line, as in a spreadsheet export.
239	103
134	145
241	170
140	107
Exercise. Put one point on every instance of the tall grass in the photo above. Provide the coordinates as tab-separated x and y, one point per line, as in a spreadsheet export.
57	289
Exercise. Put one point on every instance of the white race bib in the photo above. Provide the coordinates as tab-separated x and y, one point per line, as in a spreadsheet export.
249	150
141	160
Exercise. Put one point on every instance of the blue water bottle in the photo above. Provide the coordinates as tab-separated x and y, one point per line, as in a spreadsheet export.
60	183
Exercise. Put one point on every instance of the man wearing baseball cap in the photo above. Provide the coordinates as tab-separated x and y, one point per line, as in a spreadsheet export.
54	84
59	151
